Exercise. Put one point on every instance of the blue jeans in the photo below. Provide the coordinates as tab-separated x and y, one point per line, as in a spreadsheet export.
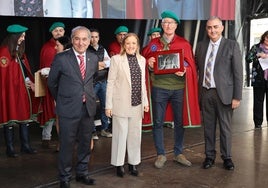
100	90
160	99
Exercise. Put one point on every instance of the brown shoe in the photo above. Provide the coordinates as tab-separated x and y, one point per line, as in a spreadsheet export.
45	144
182	160
160	161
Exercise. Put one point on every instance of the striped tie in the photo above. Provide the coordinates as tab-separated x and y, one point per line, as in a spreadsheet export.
83	71
208	68
82	66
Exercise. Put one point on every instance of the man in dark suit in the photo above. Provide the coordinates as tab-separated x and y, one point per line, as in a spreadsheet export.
220	89
71	84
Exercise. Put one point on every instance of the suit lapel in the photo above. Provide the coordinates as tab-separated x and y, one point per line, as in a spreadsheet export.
88	66
74	63
205	49
125	67
220	49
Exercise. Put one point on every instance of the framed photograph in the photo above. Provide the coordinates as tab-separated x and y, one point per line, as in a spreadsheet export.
168	62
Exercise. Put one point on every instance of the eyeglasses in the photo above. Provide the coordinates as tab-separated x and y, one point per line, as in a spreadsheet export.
168	23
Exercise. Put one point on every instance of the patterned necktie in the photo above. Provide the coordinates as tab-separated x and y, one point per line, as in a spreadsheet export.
83	71
208	68
82	66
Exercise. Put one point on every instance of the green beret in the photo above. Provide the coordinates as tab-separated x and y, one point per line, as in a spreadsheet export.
153	30
16	28
170	14
121	29
56	24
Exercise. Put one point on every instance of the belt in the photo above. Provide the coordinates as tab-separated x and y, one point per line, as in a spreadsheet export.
209	88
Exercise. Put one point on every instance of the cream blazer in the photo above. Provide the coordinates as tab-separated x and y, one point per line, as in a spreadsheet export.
118	92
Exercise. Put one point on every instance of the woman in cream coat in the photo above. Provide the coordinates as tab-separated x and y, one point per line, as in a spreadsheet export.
126	100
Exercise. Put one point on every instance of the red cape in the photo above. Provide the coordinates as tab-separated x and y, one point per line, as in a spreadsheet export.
191	109
18	104
47	55
114	48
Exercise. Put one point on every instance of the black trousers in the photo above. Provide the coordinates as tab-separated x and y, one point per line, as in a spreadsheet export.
75	132
259	94
213	112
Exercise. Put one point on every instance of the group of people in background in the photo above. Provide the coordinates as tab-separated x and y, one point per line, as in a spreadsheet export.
124	81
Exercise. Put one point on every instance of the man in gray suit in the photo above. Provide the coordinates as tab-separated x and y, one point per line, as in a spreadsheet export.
220	89
75	98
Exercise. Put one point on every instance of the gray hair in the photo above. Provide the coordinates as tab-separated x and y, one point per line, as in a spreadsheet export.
215	18
80	28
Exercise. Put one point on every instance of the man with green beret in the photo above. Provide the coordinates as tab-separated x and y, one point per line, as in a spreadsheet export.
170	101
55	25
170	14
115	47
48	51
154	32
18	104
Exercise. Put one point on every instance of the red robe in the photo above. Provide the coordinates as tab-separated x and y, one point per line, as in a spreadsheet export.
47	54
17	103
114	48
191	110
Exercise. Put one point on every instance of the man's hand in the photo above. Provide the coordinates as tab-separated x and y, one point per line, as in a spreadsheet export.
108	113
179	73
101	65
151	62
235	103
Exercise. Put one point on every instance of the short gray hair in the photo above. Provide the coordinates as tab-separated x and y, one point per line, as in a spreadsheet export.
80	28
215	18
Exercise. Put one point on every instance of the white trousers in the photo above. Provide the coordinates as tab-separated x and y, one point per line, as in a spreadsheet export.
127	136
47	129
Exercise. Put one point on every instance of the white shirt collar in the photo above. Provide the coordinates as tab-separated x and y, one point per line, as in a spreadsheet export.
217	43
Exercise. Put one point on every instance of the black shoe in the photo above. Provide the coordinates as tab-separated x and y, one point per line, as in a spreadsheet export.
12	154
228	164
208	163
257	126
85	180
64	184
133	170
120	171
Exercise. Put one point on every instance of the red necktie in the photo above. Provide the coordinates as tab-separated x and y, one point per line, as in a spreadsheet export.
82	70
82	66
